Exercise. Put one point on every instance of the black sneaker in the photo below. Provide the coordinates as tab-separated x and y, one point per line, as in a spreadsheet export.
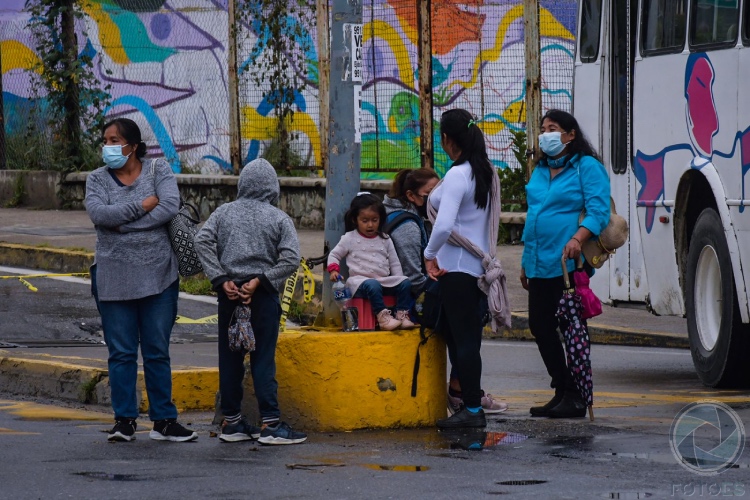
463	418
170	430
281	433
124	430
241	431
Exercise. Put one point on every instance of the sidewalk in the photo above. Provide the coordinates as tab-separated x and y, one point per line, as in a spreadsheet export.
73	229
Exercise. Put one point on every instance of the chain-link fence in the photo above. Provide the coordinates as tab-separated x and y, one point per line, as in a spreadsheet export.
162	66
165	65
265	71
27	141
478	64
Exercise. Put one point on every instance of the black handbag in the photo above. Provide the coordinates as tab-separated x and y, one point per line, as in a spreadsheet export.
182	229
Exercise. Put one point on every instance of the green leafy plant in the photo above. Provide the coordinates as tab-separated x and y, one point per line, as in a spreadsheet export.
278	62
513	180
19	190
69	99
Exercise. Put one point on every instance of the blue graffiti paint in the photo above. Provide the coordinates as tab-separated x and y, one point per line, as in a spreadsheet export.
162	136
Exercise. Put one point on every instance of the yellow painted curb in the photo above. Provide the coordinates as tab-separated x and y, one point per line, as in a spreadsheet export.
49	258
47	378
345	381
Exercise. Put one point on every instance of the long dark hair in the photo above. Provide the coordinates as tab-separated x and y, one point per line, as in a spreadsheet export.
362	202
579	145
410	180
129	131
459	126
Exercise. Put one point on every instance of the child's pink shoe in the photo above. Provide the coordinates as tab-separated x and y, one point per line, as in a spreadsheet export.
386	321
403	317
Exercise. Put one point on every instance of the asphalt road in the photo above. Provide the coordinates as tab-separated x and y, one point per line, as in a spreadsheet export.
47	451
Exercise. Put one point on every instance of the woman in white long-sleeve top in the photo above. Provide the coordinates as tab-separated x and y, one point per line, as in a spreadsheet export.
134	277
463	206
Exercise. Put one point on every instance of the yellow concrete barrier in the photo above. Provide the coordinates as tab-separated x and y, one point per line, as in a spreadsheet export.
344	381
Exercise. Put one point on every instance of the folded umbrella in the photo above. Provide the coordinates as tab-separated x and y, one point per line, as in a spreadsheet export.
577	343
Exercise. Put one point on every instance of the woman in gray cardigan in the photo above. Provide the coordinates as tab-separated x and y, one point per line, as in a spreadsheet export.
134	277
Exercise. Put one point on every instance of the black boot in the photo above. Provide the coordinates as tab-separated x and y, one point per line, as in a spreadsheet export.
543	411
571	406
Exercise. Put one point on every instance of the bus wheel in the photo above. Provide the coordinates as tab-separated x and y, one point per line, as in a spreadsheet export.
718	338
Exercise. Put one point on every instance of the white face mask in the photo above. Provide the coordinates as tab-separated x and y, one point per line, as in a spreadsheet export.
113	157
551	143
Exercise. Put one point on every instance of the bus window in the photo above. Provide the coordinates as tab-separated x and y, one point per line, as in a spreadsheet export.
745	21
714	23
591	20
664	26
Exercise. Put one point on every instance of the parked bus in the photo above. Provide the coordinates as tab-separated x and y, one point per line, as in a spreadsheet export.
663	89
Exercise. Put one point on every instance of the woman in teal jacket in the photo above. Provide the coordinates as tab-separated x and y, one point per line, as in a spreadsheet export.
567	179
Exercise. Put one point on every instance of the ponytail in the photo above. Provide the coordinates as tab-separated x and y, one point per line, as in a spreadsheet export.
459	126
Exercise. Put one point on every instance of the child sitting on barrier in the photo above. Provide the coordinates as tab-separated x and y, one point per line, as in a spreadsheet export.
248	249
374	267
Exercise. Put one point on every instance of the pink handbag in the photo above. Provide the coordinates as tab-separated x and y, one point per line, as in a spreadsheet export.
590	304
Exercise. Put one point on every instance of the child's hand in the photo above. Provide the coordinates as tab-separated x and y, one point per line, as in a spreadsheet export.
248	289
231	290
334	276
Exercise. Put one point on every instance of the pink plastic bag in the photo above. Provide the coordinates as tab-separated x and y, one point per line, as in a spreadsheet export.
590	303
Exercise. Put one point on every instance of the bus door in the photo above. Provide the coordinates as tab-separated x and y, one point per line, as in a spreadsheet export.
603	107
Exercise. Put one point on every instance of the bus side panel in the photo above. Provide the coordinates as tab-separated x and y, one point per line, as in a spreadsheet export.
662	152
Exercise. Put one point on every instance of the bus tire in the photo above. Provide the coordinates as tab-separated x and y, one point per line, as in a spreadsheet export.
718	338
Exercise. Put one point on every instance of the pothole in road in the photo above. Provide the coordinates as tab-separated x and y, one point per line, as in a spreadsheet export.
521	482
104	476
628	495
398	468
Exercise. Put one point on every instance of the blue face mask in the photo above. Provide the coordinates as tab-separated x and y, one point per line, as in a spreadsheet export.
551	144
113	157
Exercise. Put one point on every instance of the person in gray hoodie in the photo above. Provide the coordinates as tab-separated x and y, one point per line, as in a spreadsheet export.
248	249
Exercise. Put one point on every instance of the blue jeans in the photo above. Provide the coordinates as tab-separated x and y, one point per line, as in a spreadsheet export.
373	291
126	322
265	313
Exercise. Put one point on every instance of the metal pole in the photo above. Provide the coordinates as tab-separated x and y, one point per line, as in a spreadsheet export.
2	119
533	81
343	176
324	74
424	23
235	141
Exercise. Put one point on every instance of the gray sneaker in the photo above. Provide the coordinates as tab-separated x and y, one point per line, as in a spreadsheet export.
281	433
241	431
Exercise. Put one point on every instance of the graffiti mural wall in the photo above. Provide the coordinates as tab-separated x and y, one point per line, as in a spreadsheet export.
165	62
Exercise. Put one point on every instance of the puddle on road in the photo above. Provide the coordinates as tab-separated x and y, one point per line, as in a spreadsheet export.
397	468
104	476
476	440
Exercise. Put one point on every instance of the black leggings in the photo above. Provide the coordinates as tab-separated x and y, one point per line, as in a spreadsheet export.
544	297
461	323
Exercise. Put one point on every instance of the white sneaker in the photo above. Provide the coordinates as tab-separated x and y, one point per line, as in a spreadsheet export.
403	317
386	321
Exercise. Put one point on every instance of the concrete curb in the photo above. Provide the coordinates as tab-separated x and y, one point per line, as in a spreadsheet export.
600	334
59	260
193	388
